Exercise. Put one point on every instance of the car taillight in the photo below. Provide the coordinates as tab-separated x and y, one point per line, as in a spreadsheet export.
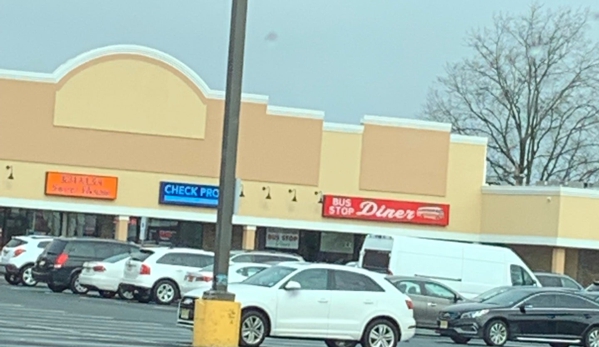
144	269
61	260
410	304
19	251
99	268
204	278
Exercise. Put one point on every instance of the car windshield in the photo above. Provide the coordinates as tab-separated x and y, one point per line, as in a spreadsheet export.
508	298
490	293
269	277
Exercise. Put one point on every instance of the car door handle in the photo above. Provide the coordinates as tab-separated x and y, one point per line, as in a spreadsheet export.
323	301
368	302
431	304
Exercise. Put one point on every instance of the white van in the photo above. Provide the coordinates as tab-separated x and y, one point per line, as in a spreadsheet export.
469	269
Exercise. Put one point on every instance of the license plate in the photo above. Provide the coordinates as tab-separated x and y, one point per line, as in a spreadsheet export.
184	313
443	324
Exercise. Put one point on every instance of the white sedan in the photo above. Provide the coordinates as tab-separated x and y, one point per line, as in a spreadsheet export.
339	304
105	276
202	279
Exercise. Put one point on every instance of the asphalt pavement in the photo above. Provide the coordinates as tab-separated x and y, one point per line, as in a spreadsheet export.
36	317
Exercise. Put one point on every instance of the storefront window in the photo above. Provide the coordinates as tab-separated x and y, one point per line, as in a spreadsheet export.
282	239
161	231
79	224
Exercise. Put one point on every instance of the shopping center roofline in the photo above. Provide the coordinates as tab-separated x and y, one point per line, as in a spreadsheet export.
386	229
64	69
592	193
406	123
358	129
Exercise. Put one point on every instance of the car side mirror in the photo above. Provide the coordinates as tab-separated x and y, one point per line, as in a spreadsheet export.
523	307
292	285
457	299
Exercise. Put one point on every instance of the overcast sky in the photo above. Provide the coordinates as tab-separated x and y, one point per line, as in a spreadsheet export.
345	57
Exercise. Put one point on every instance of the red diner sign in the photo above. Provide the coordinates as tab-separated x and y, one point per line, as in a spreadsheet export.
381	210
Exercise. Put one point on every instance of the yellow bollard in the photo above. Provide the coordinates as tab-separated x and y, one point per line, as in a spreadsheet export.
216	323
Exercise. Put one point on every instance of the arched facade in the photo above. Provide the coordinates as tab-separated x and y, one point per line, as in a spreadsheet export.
140	121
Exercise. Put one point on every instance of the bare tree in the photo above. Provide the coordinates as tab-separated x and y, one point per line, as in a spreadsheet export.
531	87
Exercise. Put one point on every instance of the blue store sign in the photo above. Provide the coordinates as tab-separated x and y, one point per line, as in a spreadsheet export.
187	194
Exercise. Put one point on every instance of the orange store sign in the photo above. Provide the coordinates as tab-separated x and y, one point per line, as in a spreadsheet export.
81	186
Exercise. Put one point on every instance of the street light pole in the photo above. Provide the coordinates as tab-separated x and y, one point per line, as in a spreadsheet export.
227	186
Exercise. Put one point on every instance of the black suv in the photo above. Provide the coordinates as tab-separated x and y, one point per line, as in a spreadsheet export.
60	264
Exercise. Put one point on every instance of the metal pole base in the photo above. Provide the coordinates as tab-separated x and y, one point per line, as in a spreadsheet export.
218	295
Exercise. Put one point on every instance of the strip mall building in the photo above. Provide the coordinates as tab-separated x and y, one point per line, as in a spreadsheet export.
124	142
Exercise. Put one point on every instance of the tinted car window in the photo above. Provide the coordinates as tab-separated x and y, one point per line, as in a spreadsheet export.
172	259
15	243
408	287
141	254
43	244
436	290
120	248
568	283
103	250
376	260
549	281
81	249
55	247
197	260
520	277
542	301
312	279
350	281
570	301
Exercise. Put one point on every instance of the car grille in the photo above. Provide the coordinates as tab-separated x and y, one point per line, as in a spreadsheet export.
449	315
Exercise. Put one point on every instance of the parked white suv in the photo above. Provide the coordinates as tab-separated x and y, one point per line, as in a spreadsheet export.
338	304
18	257
156	274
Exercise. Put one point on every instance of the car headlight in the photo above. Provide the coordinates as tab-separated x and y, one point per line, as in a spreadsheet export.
474	314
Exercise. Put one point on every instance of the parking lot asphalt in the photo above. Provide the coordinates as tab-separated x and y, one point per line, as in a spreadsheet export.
36	317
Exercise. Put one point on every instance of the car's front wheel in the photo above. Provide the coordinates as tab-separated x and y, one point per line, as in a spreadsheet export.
26	276
12	279
339	343
380	332
254	328
496	333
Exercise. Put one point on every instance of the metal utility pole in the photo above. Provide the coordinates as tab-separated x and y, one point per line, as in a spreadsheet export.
227	191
